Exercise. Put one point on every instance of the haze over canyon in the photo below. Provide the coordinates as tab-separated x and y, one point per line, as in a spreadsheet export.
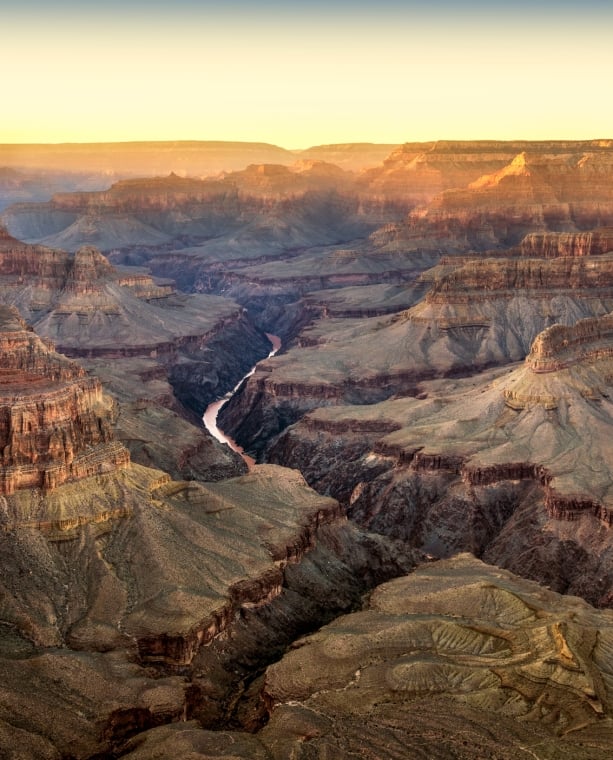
415	557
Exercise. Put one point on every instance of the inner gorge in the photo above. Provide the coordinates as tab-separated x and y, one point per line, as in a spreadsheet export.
400	545
212	411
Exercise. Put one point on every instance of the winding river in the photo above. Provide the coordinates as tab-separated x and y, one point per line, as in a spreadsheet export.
212	410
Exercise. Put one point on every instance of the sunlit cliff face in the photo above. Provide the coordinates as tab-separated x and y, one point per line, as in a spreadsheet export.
297	74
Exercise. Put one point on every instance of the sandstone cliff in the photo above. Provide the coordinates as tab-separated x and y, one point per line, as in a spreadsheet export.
553	244
55	424
32	277
527	188
561	191
421	171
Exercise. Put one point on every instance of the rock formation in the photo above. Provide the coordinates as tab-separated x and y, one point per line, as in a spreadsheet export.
146	340
269	204
162	608
139	611
118	581
536	191
421	171
33	277
553	244
480	314
458	660
490	464
55	424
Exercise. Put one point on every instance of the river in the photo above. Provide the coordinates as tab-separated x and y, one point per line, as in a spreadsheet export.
212	410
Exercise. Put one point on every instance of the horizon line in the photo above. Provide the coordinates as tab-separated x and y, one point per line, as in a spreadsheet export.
184	141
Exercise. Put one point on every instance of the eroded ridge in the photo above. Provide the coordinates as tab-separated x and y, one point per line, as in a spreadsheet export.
561	346
34	275
506	276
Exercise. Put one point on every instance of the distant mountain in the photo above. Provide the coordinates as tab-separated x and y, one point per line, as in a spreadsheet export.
147	159
187	158
351	156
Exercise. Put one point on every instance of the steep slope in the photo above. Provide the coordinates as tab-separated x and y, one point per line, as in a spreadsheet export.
420	171
536	191
55	424
115	578
552	244
158	211
116	630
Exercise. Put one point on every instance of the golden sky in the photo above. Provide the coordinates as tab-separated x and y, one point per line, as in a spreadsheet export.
299	74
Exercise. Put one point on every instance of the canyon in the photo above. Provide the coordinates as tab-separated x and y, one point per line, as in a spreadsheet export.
437	420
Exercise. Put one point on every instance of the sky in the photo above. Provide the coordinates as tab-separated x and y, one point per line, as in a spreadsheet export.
298	74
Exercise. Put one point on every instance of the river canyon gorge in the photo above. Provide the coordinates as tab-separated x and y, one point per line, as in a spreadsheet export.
307	455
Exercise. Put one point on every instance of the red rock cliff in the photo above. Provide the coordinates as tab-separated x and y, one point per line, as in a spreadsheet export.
55	423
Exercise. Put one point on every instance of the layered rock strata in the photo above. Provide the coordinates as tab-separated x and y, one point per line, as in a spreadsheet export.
511	456
269	205
55	423
555	244
422	171
539	188
483	313
160	352
32	277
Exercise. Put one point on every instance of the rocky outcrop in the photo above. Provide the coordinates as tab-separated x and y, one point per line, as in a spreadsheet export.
555	244
484	278
537	187
160	354
90	311
55	424
483	313
33	277
422	171
562	346
561	191
284	547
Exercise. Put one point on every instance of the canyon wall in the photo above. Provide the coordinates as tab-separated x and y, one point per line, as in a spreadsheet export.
55	423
